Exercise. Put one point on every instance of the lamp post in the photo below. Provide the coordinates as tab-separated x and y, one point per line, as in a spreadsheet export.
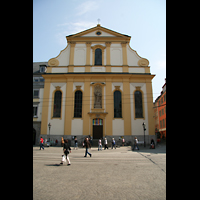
144	127
49	125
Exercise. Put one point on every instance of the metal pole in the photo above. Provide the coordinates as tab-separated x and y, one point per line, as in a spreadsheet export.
144	139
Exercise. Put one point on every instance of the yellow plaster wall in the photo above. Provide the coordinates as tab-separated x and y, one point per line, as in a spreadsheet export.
68	107
86	107
45	107
109	106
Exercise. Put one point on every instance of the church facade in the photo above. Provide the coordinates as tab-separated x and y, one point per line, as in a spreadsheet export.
98	86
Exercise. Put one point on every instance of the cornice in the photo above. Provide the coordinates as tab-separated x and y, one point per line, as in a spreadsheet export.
98	39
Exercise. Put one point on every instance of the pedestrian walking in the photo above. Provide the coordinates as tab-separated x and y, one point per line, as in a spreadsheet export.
105	144
75	143
84	142
153	146
100	144
66	150
123	142
41	143
90	140
87	145
135	143
62	142
113	143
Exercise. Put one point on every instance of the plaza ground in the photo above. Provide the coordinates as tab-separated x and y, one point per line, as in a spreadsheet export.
109	174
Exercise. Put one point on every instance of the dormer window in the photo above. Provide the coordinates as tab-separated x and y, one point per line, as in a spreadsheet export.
42	68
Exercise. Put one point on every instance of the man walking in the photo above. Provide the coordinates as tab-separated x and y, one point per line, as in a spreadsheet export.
113	143
87	145
100	145
41	143
105	144
135	143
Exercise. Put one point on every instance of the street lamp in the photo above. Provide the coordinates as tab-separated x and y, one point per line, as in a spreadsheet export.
49	125
144	127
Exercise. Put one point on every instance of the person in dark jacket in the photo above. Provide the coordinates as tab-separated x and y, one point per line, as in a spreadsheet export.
66	149
87	145
153	146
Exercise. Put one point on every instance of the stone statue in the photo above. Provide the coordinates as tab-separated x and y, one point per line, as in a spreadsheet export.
98	97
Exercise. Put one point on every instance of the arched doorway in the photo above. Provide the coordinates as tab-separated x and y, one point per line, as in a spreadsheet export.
97	128
34	136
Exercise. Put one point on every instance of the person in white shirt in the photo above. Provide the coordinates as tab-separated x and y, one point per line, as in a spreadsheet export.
105	144
100	144
135	143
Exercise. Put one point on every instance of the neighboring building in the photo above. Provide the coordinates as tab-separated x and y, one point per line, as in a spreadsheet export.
39	68
98	86
160	113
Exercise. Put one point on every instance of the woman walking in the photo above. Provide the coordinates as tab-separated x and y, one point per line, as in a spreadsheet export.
66	149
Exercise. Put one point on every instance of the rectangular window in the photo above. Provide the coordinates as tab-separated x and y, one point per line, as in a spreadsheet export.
34	111
41	79
138	104
57	104
35	79
117	105
35	93
78	104
98	57
42	68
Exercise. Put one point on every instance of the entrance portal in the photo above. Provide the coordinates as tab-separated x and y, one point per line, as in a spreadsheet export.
97	128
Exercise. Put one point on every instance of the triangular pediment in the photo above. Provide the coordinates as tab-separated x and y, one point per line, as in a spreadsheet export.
98	31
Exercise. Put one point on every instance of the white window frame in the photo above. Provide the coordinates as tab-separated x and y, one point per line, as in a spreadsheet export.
36	106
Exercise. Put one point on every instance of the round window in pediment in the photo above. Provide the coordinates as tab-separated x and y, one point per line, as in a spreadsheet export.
98	33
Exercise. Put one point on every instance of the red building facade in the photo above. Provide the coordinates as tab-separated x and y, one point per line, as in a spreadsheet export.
160	113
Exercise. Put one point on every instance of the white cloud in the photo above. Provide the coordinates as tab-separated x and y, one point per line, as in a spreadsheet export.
70	28
86	7
81	26
65	24
75	27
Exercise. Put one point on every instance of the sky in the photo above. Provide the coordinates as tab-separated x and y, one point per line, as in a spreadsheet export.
143	20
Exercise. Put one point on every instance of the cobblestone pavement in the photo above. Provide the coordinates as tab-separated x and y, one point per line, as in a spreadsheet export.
109	174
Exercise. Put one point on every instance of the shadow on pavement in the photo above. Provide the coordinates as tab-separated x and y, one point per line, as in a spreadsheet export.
159	149
53	165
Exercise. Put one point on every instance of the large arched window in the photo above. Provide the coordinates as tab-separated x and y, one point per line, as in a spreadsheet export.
117	104
138	104
78	104
98	57
57	104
